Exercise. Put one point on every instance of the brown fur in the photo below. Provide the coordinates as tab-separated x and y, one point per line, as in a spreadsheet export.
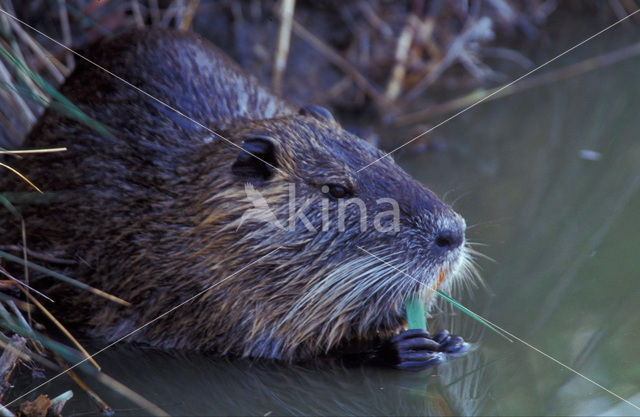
152	214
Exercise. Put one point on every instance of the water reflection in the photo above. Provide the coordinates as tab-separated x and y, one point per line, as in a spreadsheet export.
196	385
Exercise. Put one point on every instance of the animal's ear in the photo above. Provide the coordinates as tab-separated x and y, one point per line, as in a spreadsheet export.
256	161
318	112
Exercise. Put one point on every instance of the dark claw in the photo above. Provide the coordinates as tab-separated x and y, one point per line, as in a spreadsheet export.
454	345
409	334
418	343
441	336
416	350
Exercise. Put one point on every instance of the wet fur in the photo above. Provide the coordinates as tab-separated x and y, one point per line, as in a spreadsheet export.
152	214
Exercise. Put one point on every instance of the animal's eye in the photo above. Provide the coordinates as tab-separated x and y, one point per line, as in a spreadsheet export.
336	190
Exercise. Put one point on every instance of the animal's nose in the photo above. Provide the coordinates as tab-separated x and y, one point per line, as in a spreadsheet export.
450	238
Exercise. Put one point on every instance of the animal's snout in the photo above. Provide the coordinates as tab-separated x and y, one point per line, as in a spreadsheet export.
450	236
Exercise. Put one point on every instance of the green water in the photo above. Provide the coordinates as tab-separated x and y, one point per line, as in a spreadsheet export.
564	233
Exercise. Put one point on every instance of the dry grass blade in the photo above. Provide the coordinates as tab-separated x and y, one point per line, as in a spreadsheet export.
23	233
66	29
25	111
284	38
336	59
137	13
130	394
58	101
30	151
21	176
19	282
24	250
15	52
189	13
55	67
394	86
37	255
18	315
105	409
7	299
64	278
63	329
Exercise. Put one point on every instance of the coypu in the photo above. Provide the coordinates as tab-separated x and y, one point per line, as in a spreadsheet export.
155	213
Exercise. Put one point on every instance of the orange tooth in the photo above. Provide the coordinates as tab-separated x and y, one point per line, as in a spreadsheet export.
440	278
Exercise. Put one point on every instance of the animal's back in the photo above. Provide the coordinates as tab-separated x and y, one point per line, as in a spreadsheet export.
140	86
160	74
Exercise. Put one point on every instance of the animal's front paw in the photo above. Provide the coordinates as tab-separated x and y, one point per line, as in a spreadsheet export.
417	350
450	344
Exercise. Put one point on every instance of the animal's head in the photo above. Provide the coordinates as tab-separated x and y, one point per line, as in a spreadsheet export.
326	237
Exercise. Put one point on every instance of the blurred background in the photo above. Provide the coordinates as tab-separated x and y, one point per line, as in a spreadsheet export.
546	173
